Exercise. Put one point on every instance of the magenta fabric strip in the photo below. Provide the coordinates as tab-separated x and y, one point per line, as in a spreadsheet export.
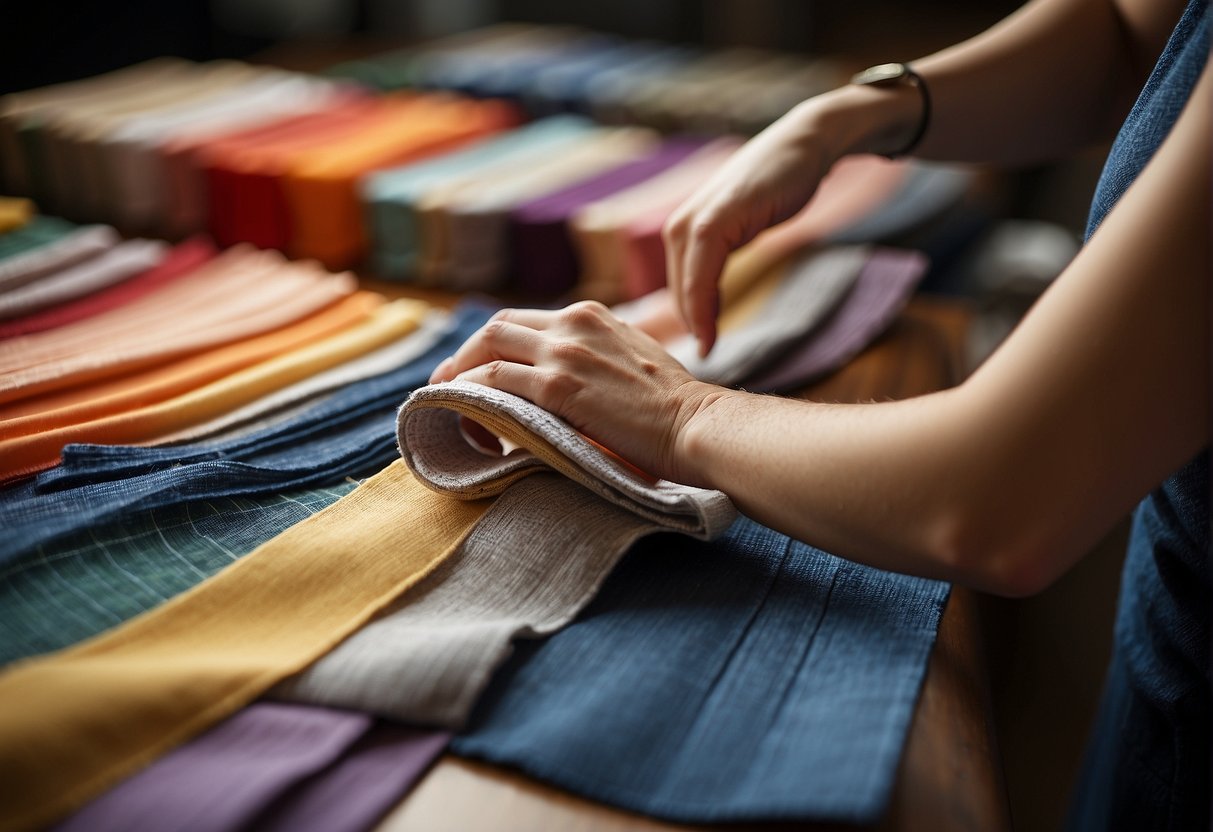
273	759
544	260
881	291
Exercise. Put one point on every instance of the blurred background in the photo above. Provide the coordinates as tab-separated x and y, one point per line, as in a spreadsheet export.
1046	654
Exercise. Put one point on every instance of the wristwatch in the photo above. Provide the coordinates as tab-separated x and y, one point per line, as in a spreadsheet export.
883	75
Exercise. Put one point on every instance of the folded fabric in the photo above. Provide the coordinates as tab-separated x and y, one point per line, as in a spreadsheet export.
22	161
237	295
72	246
390	197
798	299
544	261
24	455
243	171
465	227
321	184
89	402
292	400
926	191
536	558
349	434
433	445
750	678
137	147
271	766
76	722
182	260
120	263
880	293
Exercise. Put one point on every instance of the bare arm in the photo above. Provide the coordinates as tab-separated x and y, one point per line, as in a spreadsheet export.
1053	77
1001	483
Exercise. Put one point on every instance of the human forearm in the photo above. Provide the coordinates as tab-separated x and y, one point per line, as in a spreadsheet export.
1051	78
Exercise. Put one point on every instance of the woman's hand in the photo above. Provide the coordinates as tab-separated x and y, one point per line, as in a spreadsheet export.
767	181
608	380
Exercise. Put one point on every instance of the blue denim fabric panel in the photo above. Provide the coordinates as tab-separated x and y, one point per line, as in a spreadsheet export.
349	434
93	580
1156	110
749	678
1148	765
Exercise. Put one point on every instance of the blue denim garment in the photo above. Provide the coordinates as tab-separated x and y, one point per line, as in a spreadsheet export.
753	677
350	433
1148	761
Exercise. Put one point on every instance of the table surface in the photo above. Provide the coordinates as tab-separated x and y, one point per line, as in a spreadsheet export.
950	777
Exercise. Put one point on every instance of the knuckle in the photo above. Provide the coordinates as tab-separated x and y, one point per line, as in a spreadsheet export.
558	387
494	371
568	352
494	329
585	313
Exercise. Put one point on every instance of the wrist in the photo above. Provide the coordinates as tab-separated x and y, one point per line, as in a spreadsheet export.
863	119
703	412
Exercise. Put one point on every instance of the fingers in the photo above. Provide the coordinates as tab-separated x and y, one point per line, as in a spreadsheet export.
696	250
498	340
550	390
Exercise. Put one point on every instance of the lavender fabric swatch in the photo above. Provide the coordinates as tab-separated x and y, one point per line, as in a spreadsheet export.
815	283
881	292
272	766
544	257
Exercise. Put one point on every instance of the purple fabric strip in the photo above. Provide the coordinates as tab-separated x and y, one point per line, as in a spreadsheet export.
362	787
543	258
881	291
225	778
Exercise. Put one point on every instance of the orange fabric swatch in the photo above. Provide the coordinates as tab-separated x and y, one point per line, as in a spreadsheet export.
111	396
237	295
25	455
321	183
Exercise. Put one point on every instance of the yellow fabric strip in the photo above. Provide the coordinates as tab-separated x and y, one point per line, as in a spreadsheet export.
14	213
76	722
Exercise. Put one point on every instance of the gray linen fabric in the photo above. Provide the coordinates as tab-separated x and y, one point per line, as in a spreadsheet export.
533	562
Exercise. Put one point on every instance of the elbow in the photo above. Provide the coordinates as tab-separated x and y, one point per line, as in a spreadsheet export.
989	554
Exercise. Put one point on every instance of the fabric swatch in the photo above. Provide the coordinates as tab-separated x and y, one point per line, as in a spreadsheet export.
744	679
351	433
112	267
271	766
84	584
237	295
183	259
881	292
15	212
271	407
49	253
802	298
24	455
75	723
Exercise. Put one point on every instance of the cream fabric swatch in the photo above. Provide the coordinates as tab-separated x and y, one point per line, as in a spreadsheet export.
78	246
123	261
75	722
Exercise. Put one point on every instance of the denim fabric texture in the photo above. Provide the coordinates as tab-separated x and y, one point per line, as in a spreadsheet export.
1148	761
752	677
349	434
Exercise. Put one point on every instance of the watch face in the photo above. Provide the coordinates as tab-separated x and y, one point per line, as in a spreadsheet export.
880	74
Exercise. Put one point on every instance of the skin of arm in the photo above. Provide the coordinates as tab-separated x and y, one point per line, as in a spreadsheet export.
1001	483
1051	78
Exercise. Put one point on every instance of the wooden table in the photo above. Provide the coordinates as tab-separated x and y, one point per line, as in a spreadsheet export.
950	777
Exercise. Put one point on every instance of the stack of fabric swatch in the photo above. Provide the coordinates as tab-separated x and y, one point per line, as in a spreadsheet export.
553	69
228	600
